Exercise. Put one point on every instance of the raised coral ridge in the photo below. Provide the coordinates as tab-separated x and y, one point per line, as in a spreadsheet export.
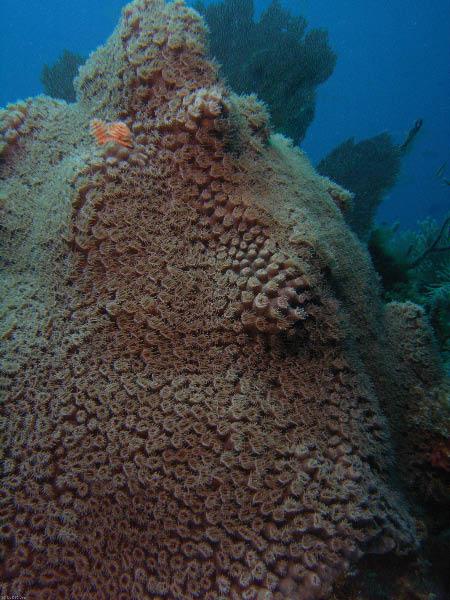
11	121
187	413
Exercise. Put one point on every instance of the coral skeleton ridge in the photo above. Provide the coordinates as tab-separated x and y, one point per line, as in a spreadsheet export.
194	361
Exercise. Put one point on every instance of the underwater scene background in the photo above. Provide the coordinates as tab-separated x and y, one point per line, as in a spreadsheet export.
379	70
392	68
225	300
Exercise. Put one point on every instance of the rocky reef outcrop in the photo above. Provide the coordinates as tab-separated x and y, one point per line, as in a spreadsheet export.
194	354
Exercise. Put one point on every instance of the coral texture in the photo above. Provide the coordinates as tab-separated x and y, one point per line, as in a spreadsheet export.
421	419
414	266
190	338
11	121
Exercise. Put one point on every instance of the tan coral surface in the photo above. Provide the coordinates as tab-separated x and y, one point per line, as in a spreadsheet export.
187	344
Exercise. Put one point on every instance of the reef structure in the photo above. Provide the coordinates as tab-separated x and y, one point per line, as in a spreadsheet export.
189	342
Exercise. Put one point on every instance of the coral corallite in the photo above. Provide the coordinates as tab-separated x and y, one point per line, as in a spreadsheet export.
187	411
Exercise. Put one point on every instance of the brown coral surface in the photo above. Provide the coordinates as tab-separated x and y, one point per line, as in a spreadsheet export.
187	357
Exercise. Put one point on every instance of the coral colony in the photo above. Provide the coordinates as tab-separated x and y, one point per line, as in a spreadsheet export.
202	387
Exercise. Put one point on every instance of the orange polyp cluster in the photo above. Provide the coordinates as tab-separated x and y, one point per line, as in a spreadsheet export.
116	132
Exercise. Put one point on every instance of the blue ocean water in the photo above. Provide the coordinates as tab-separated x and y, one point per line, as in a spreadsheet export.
392	69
